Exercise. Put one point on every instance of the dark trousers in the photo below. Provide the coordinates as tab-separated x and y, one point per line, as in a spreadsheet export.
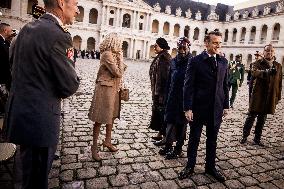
234	92
176	132
211	143
261	118
33	165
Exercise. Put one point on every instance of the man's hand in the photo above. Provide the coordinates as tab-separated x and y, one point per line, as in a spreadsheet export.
225	112
189	115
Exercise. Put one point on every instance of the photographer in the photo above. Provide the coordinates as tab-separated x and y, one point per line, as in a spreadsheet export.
265	95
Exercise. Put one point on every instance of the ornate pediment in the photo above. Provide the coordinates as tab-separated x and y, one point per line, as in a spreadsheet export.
246	13
255	12
188	13
236	15
228	17
266	10
178	12
168	9
198	15
213	15
157	7
280	6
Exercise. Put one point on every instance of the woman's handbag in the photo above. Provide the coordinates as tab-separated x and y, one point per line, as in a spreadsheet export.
124	94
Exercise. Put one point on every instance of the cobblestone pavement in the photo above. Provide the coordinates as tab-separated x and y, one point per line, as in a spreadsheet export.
138	165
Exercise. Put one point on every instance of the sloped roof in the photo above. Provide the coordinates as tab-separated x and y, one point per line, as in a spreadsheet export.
204	8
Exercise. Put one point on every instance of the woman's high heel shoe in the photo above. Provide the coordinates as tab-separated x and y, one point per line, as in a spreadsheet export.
109	146
95	154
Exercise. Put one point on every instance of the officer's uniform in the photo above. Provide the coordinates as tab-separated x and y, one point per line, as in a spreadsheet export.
43	73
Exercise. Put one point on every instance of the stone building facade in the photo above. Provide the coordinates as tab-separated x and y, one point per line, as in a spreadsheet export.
140	22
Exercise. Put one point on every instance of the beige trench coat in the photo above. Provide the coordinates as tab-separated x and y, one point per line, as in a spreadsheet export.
105	105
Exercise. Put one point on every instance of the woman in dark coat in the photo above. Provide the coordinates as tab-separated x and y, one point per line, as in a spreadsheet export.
174	115
159	71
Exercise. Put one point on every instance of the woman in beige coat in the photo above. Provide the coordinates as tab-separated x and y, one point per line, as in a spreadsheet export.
105	106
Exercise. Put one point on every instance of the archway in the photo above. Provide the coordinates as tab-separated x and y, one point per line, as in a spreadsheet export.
252	35
276	32
126	20
77	42
93	16
196	34
176	30
125	48
243	35
263	35
231	57
155	26
166	28
80	16
226	35
186	31
30	5
249	60
91	43
5	4
234	38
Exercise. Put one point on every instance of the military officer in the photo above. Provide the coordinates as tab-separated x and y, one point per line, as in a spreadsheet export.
43	73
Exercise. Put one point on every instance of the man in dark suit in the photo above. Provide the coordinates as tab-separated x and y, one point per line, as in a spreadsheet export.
5	74
206	101
43	73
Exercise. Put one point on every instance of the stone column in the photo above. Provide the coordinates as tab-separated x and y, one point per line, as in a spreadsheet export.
133	19
134	49
144	50
146	27
171	30
150	24
107	15
181	31
137	21
131	48
238	37
191	34
257	36
230	36
86	18
148	50
16	8
247	36
269	34
103	15
121	18
117	17
161	25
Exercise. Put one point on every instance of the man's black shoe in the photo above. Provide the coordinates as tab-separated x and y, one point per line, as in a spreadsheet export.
157	138
257	142
173	155
243	140
165	150
216	174
185	173
160	142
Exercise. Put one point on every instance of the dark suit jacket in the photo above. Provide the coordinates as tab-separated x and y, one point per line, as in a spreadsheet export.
5	74
42	74
206	88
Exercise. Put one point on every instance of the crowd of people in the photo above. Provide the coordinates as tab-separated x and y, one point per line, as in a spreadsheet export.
186	90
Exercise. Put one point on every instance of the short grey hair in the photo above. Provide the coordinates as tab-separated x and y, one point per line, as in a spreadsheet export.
51	3
3	26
